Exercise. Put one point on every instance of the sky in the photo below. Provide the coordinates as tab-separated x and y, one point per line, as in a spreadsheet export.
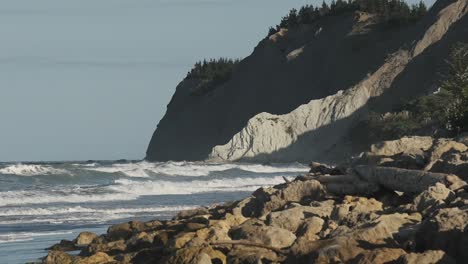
90	79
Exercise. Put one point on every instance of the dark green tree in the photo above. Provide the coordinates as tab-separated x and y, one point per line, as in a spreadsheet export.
456	85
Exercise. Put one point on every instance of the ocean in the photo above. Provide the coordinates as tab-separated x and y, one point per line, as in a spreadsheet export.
42	203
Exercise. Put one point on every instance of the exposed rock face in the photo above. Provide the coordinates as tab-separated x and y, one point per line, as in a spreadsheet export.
366	214
296	135
425	153
273	108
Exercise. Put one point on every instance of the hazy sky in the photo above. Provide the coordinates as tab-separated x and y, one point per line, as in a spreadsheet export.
90	79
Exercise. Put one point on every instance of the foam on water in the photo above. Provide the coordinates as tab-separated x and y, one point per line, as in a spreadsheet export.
43	197
125	189
27	236
145	169
191	187
31	170
31	211
41	209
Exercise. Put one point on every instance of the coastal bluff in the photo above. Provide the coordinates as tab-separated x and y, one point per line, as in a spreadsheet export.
302	90
402	201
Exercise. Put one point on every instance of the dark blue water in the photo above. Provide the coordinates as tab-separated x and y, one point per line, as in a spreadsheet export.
42	203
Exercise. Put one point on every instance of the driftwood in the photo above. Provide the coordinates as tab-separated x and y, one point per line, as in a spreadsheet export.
366	180
248	244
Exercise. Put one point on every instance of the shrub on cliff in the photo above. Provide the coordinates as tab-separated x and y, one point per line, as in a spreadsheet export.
445	110
211	74
455	84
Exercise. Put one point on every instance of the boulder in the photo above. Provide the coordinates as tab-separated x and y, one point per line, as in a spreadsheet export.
266	200
196	255
407	145
119	231
427	257
310	228
111	248
256	231
434	196
289	219
442	148
251	255
407	181
180	240
379	255
64	245
139	241
98	258
453	163
321	209
57	257
447	230
85	238
355	210
186	214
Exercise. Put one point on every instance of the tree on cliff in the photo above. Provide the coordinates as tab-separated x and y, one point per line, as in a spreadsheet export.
210	74
443	113
392	12
456	86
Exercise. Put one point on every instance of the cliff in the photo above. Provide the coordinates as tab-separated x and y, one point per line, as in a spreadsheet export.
301	90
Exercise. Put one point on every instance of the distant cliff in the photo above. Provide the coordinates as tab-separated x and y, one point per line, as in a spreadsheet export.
301	90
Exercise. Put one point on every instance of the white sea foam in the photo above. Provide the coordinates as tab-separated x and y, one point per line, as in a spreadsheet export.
42	197
27	236
125	189
191	187
32	170
145	169
44	211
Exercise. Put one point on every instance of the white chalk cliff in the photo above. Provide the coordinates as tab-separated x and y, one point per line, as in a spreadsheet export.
314	128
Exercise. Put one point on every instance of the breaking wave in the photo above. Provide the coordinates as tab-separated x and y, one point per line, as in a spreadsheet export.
146	169
32	170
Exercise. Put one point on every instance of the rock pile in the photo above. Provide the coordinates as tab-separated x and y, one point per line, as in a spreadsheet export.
402	202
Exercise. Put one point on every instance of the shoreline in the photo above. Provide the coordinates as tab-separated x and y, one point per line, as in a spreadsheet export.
386	205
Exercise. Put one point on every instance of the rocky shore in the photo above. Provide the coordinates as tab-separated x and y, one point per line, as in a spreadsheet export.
404	201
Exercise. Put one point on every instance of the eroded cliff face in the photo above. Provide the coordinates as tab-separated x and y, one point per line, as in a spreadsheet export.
317	130
297	94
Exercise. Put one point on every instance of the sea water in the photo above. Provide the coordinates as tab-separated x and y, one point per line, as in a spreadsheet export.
42	203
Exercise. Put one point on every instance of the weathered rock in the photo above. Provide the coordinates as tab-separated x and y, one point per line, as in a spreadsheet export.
64	245
434	196
318	168
180	240
119	231
271	199
310	228
191	213
443	147
85	238
256	231
139	241
408	181
111	248
454	163
98	258
57	257
322	209
427	257
196	255
407	145
288	219
250	255
379	255
354	210
445	230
